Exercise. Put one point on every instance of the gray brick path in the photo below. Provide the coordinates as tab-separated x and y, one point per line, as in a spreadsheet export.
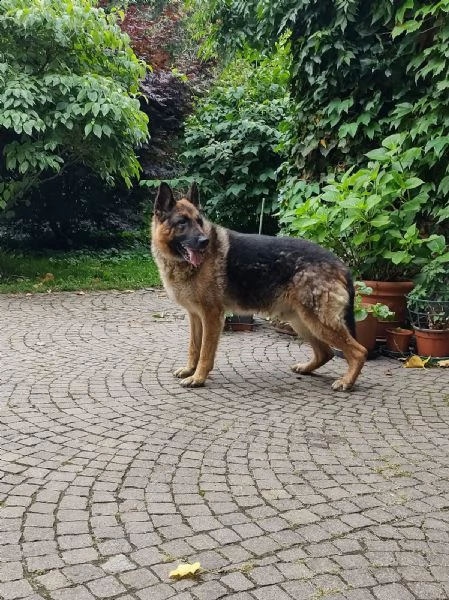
111	473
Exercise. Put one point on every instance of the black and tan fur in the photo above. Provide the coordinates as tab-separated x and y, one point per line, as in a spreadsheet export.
208	270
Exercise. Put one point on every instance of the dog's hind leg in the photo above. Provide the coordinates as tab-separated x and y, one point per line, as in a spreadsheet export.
324	333
212	326
338	336
322	354
354	353
196	333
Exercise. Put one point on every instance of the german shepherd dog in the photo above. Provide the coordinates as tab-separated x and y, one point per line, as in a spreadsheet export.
208	270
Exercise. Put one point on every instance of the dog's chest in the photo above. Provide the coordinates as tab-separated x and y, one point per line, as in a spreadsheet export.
181	284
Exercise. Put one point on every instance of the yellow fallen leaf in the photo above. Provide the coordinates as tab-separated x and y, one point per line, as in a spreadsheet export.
185	570
416	362
443	363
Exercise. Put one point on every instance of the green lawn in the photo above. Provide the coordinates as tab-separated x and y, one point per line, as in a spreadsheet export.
78	270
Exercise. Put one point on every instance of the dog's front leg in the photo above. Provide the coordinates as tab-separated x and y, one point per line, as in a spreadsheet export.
196	333
212	325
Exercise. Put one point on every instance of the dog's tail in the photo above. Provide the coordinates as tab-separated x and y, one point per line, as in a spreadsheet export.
349	312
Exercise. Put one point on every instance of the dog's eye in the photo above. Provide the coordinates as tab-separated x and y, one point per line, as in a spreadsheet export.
200	222
181	223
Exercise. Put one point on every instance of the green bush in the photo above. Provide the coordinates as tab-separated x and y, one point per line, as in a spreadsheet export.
68	82
232	139
360	72
369	216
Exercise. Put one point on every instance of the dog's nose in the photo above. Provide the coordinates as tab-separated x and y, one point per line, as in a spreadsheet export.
203	241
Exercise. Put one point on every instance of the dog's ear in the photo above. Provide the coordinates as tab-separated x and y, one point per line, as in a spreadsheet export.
165	201
193	195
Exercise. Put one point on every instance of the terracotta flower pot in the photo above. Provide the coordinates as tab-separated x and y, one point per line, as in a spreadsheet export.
366	332
398	340
432	342
393	294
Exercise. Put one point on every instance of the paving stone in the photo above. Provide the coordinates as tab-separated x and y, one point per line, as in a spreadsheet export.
237	582
76	593
11	571
210	591
81	555
266	575
428	591
82	573
15	589
156	592
53	580
272	592
138	578
105	587
118	564
393	591
44	563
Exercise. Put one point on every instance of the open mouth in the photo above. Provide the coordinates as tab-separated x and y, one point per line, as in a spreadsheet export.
192	256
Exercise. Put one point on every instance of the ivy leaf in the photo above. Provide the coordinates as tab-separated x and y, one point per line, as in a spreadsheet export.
348	129
443	188
235	189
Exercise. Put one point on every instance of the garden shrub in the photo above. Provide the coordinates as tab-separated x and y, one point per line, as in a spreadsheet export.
369	216
68	85
232	139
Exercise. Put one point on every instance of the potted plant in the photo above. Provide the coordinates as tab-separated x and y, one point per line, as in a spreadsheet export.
237	322
428	307
369	217
398	339
367	316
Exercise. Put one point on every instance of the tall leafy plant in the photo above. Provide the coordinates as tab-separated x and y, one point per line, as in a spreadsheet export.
232	138
68	85
370	216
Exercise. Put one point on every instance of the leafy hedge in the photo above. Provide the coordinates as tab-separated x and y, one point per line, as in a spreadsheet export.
360	72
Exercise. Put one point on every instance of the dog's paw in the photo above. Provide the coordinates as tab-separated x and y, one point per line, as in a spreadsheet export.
183	372
301	368
341	386
192	382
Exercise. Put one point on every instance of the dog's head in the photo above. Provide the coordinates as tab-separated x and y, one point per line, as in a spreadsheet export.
178	227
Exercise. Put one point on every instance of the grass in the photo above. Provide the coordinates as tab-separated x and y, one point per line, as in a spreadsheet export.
77	270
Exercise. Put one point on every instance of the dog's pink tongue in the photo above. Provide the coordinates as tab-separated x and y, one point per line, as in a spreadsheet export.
195	258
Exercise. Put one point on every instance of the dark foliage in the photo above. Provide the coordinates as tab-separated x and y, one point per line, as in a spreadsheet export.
166	101
74	211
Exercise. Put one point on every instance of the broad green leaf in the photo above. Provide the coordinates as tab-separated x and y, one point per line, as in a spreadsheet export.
346	223
380	221
413	182
379	154
443	188
399	257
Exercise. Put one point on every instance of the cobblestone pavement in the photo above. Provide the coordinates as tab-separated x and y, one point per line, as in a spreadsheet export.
112	473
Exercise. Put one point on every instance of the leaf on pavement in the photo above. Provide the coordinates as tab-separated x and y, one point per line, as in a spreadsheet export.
416	362
185	570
